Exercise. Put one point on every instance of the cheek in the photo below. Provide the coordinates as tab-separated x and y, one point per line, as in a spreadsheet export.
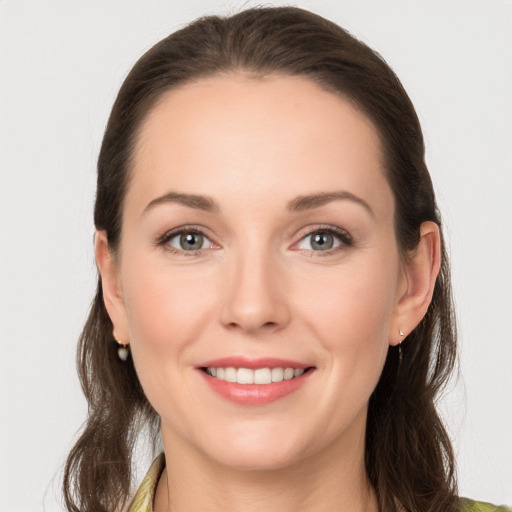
357	301
347	312
166	310
351	319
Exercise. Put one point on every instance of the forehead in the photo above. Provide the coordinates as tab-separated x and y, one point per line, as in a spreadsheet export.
276	135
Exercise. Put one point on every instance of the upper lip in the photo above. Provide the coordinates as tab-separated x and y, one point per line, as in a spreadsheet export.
253	363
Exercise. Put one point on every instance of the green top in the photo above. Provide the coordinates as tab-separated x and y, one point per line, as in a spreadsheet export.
143	499
479	506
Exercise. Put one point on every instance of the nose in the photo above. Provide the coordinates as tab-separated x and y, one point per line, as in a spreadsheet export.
254	295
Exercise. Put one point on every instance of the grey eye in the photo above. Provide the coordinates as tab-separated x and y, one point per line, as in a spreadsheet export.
321	241
189	241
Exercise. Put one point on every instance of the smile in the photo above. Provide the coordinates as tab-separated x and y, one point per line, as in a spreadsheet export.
257	376
255	382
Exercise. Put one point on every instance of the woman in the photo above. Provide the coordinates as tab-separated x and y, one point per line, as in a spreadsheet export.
274	295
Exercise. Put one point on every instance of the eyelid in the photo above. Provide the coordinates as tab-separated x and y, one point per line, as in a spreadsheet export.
344	237
163	241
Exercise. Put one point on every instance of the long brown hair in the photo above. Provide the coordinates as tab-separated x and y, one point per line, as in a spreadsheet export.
408	455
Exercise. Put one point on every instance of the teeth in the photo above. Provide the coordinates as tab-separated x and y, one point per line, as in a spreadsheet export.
277	374
244	376
288	374
230	375
263	376
259	376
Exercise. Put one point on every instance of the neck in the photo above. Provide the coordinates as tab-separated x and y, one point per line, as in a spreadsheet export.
323	483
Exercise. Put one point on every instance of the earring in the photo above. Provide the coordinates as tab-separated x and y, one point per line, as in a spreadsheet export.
400	348
123	351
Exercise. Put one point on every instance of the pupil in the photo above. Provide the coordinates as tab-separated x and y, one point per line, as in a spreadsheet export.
322	241
192	241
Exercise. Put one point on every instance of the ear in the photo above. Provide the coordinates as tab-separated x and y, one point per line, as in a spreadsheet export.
418	279
112	294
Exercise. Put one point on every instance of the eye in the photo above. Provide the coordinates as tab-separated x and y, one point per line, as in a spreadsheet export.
188	241
324	240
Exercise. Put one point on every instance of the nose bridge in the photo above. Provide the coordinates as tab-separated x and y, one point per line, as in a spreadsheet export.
254	296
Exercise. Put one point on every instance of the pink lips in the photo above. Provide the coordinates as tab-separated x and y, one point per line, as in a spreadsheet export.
254	394
261	362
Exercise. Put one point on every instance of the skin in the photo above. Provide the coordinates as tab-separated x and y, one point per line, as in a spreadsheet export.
259	289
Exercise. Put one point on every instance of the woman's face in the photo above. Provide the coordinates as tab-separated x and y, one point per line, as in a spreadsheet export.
258	234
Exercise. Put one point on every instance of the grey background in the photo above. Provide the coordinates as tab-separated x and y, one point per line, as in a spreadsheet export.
61	64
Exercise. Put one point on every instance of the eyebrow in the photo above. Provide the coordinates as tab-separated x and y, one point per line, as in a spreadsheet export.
300	203
191	200
311	201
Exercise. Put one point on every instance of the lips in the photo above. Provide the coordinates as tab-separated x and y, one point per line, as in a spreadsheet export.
258	376
254	381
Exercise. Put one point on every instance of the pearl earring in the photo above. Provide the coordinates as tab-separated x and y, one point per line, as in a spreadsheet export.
123	351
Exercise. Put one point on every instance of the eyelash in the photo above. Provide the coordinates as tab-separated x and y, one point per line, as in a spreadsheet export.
341	235
164	240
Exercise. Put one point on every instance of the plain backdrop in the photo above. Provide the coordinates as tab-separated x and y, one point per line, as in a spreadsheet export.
61	64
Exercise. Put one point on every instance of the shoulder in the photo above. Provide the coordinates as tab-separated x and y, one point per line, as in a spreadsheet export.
468	505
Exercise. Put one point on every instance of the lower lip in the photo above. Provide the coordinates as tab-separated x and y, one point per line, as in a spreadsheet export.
255	394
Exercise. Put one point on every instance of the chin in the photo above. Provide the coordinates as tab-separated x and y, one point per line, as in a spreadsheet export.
259	459
266	450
